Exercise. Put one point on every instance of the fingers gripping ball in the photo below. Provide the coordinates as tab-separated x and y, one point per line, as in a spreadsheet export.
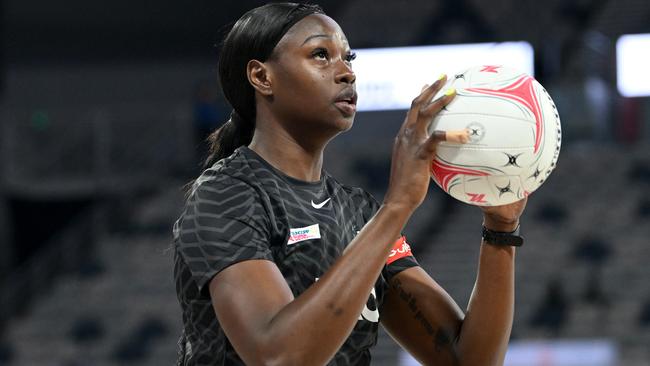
514	135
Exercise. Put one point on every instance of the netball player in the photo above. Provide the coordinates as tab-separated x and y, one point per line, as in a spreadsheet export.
277	263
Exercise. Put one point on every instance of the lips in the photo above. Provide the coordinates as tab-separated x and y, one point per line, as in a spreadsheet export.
347	95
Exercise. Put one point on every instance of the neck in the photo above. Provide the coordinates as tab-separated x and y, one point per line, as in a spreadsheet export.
287	154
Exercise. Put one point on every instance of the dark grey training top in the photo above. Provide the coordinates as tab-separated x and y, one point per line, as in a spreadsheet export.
242	208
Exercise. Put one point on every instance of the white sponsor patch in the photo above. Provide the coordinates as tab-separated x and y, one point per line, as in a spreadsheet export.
303	233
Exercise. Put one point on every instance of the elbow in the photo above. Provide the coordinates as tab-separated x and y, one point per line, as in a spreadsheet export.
273	350
281	356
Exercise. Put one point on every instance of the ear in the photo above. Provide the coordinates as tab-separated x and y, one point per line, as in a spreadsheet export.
259	76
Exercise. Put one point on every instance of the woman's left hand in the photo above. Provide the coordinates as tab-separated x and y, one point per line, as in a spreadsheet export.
503	218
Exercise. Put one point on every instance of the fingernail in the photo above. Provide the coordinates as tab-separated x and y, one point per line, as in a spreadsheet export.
442	76
450	92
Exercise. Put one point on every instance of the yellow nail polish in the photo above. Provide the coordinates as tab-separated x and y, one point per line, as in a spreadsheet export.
450	91
442	76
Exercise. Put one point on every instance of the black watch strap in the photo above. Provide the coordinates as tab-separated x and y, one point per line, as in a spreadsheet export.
503	238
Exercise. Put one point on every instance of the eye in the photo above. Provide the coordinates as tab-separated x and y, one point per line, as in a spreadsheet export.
320	53
351	56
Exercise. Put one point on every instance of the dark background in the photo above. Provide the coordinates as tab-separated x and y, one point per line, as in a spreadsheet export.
104	107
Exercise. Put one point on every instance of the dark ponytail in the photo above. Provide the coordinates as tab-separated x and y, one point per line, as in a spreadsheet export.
227	138
253	37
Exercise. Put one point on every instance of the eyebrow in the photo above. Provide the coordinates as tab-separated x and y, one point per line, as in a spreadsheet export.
316	36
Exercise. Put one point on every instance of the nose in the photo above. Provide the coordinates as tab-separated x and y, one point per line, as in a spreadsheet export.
344	73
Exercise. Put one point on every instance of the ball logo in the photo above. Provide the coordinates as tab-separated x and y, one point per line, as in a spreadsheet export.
476	132
490	68
477	197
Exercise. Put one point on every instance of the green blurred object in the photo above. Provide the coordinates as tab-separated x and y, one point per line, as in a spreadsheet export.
40	120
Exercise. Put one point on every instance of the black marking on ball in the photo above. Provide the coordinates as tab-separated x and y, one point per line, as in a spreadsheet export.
476	131
536	173
512	160
504	190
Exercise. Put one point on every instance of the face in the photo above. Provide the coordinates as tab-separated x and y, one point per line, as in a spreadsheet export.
311	76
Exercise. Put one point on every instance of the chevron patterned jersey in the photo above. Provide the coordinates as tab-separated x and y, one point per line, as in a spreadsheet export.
243	208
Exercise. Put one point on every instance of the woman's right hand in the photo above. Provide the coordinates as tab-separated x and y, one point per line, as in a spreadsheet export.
414	148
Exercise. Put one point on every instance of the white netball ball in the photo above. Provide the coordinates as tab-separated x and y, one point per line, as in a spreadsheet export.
515	136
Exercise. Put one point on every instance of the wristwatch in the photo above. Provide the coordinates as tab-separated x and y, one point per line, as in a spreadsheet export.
503	238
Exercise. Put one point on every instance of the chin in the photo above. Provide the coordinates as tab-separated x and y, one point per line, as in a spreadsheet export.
344	124
331	125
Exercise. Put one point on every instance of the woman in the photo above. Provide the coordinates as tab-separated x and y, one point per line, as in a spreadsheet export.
277	263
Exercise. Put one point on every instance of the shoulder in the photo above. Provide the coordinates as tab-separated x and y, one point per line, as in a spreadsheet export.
235	172
235	167
229	183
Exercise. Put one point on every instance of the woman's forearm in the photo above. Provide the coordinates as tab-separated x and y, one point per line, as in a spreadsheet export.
486	328
336	300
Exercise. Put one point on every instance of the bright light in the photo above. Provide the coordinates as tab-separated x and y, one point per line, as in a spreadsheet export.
576	352
595	352
389	78
632	60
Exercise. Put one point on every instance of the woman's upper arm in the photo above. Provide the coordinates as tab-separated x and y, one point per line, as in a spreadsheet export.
422	317
245	297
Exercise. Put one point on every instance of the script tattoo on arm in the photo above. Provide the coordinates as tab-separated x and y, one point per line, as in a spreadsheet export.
440	338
